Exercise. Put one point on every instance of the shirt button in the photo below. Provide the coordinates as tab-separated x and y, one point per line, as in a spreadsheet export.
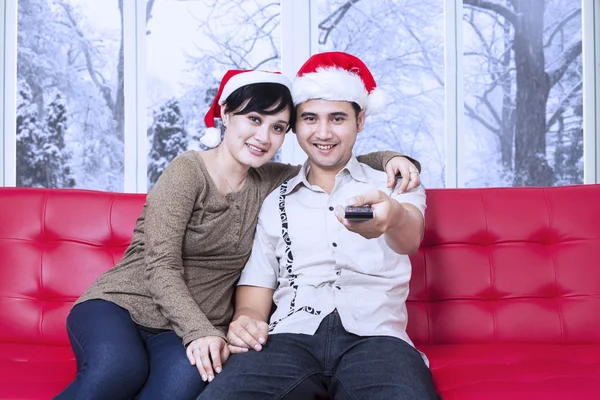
334	244
339	272
338	288
330	208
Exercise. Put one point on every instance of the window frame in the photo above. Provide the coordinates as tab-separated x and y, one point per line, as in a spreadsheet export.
299	22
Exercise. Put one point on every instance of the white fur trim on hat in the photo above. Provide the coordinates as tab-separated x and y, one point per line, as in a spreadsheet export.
250	77
333	84
338	84
377	101
211	138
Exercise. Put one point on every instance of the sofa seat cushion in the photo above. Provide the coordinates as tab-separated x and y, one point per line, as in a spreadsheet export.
34	372
515	371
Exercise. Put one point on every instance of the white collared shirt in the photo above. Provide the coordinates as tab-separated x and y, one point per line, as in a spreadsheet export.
315	265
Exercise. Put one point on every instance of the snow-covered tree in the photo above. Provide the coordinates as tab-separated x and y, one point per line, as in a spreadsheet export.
233	35
60	49
169	138
402	44
56	157
28	134
524	86
42	157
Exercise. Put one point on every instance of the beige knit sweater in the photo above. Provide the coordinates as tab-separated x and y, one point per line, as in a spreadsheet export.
189	247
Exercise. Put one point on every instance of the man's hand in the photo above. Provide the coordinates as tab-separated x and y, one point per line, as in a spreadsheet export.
409	172
383	207
201	351
247	333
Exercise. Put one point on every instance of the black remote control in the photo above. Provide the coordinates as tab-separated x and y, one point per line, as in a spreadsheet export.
358	213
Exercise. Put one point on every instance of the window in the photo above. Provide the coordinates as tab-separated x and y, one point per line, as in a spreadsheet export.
190	45
402	43
523	93
494	93
69	117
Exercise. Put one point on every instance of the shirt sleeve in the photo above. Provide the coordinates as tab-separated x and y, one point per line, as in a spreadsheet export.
262	269
416	197
170	204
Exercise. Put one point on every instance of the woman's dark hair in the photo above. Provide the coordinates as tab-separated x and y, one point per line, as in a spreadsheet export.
263	98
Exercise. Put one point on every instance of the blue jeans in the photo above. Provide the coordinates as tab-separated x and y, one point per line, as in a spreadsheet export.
332	363
118	359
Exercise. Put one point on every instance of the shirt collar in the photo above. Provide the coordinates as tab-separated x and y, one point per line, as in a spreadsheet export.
353	168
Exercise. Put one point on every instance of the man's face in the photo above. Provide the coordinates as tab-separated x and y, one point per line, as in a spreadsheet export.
327	130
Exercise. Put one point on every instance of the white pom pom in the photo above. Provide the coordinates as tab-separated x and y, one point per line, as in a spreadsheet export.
378	99
211	138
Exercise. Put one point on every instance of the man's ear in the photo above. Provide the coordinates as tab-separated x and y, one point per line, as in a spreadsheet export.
360	120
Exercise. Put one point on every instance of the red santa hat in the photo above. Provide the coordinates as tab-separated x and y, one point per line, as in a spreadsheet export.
338	76
233	80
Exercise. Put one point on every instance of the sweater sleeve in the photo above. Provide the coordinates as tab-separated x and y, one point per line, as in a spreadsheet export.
274	174
379	159
169	206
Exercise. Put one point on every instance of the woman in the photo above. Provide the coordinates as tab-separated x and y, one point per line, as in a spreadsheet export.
176	280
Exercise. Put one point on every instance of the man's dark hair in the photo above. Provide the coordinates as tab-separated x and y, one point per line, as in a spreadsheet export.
357	110
263	98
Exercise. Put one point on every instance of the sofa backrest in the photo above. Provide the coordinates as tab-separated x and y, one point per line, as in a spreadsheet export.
508	265
53	245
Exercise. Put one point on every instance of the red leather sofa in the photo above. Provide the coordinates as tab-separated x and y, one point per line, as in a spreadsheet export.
505	294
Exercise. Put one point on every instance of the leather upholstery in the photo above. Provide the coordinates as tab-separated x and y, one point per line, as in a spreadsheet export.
505	293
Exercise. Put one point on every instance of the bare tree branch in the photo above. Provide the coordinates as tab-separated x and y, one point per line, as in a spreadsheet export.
426	57
104	89
334	19
266	60
488	104
563	103
473	115
491	5
149	6
566	58
574	13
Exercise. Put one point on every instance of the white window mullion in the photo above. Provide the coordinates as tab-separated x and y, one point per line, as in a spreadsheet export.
453	54
2	93
8	154
296	36
141	129
597	85
591	68
129	90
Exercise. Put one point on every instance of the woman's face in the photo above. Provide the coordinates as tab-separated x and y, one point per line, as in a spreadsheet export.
253	138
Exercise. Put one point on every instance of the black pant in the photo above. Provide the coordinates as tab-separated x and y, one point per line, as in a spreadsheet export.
332	363
116	359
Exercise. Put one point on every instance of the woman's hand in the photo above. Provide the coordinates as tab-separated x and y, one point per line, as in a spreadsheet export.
201	352
409	172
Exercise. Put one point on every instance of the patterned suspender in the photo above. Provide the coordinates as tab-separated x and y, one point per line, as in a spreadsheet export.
289	259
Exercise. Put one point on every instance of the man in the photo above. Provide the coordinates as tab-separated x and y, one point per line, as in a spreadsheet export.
339	329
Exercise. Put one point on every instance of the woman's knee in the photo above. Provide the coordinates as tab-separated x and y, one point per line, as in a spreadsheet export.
171	374
179	380
126	374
